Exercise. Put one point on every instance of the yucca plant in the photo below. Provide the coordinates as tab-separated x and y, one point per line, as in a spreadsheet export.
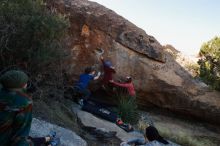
128	109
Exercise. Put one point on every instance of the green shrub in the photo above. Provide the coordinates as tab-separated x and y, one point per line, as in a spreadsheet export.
210	63
29	33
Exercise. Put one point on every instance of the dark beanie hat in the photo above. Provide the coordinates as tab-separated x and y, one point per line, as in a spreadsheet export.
108	63
14	79
153	134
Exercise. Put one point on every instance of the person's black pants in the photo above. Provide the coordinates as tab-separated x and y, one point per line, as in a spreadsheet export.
99	110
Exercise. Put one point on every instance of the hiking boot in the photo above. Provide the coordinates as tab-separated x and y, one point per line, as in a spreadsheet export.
55	141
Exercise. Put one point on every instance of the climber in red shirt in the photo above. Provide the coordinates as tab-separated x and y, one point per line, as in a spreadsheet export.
128	84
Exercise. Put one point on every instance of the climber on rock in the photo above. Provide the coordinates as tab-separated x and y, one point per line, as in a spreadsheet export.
16	112
128	85
109	70
84	80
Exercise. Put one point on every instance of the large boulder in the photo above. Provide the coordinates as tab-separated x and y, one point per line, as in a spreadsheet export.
158	78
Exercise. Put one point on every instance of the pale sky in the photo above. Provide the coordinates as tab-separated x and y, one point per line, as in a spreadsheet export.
185	24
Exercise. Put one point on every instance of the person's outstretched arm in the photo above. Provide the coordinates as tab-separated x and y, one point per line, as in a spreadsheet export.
102	59
97	77
120	84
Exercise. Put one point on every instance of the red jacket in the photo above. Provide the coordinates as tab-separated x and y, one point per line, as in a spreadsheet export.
129	86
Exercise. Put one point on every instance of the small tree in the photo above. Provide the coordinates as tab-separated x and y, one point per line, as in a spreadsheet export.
210	63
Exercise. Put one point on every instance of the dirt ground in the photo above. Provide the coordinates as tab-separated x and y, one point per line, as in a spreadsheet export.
185	130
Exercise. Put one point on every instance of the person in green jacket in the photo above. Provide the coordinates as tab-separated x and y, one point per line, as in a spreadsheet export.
16	111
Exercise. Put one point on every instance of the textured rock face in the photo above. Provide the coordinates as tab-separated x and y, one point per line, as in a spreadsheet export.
158	79
67	138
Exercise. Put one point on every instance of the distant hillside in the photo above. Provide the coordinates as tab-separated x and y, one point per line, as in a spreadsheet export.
189	63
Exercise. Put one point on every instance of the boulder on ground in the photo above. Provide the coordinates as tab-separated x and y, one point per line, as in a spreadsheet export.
94	123
41	128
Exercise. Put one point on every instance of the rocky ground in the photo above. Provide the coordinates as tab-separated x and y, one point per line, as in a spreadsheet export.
179	129
59	113
40	128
